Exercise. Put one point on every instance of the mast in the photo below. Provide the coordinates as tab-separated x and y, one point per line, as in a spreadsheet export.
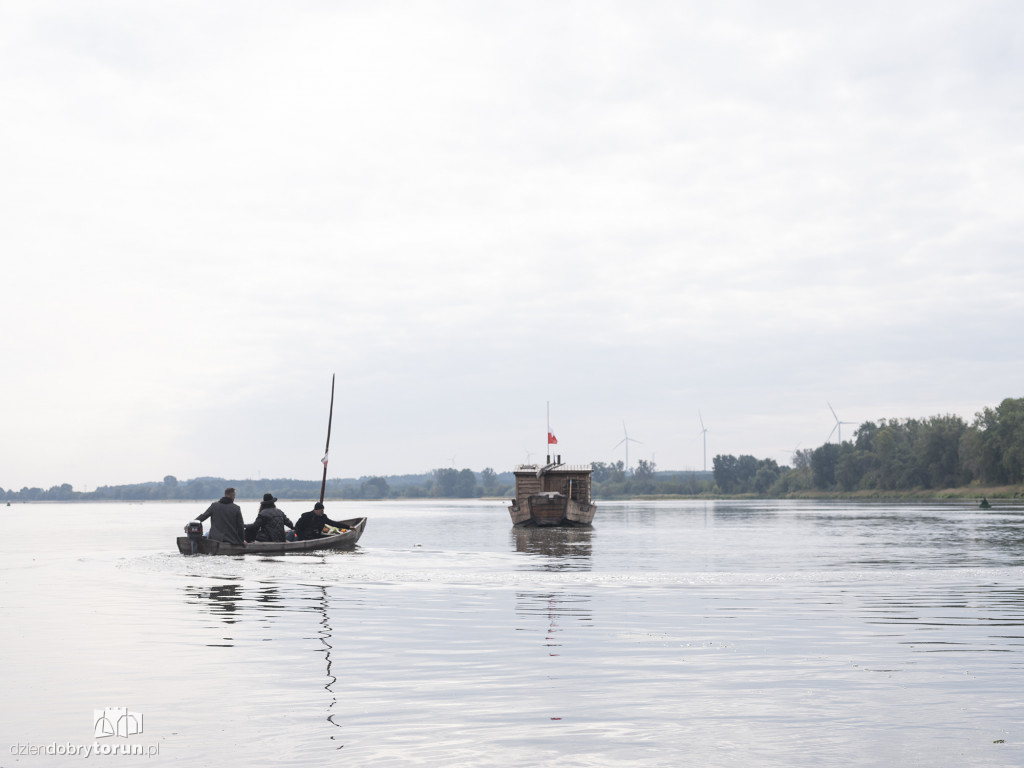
327	448
552	440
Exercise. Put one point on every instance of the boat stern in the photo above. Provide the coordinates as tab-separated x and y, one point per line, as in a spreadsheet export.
547	508
579	512
520	515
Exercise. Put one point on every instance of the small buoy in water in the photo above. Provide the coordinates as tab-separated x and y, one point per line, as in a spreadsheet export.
984	504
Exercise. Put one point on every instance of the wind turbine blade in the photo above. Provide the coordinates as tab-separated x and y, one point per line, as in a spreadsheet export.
833	431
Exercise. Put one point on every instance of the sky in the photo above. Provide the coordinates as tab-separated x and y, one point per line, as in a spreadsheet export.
637	216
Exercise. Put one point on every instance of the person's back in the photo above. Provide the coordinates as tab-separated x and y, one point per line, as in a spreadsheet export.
225	520
271	521
270	524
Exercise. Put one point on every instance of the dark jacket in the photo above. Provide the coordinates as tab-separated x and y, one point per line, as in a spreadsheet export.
270	523
311	526
225	522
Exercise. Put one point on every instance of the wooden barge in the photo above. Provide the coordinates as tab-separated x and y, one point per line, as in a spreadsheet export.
552	494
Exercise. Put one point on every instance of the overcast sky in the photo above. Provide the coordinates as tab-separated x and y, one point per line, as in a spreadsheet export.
636	211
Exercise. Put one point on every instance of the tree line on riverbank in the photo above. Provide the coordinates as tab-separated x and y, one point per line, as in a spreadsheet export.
440	483
609	481
898	455
890	455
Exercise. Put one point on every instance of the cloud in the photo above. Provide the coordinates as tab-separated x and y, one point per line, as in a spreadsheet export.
466	211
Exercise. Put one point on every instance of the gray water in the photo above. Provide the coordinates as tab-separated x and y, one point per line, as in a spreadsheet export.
673	633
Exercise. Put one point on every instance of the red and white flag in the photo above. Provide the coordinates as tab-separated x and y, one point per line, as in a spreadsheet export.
324	460
552	440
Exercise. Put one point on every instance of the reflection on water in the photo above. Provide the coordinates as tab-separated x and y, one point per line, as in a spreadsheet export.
326	636
222	600
231	601
565	549
555	607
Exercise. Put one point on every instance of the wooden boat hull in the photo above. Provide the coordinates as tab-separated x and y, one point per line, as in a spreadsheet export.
551	510
552	495
344	540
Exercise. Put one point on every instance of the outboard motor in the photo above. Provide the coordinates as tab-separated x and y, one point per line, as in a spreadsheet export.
194	531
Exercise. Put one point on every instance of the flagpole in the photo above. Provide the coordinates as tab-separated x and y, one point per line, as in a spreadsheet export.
327	448
547	437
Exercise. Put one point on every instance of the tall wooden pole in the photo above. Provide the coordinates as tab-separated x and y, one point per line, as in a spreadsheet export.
327	448
547	437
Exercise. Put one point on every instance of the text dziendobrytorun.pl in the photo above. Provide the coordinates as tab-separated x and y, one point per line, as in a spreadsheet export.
86	750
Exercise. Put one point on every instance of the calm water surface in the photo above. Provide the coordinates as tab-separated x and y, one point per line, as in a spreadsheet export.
672	633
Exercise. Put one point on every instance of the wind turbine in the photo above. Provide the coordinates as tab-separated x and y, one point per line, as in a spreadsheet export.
838	428
704	434
627	440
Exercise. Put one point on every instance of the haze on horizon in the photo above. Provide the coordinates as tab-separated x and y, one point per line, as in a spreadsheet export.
637	213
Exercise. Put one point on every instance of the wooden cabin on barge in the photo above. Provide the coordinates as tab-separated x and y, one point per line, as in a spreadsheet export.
552	494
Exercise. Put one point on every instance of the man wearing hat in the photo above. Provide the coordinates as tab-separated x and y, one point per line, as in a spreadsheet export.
271	521
311	524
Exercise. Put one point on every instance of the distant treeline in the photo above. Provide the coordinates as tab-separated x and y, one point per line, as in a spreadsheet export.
441	483
895	455
609	481
612	481
889	455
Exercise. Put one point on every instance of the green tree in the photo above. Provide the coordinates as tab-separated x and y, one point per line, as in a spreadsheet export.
823	466
852	468
465	484
802	458
604	473
937	451
746	470
643	477
644	470
767	474
724	468
444	482
489	481
1002	441
374	488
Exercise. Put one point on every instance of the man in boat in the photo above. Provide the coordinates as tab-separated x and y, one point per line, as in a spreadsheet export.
226	522
271	521
311	524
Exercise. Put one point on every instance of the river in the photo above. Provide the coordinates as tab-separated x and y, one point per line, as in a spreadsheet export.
672	633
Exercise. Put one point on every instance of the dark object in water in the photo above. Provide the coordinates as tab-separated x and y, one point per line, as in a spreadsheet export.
344	540
984	504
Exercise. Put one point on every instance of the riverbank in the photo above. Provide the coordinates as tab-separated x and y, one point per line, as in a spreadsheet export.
972	493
